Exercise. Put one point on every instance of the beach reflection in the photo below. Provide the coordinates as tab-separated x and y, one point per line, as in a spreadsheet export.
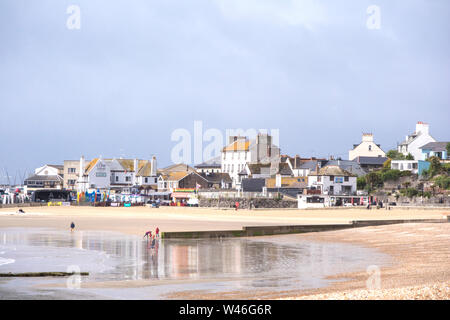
260	262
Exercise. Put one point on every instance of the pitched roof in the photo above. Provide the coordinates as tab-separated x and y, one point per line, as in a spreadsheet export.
175	176
284	169
44	178
333	170
91	165
216	177
350	166
258	168
57	166
179	167
253	185
288	182
211	163
145	169
371	160
238	145
435	146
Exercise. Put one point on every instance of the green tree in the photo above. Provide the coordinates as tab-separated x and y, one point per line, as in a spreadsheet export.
409	157
448	149
393	175
361	183
373	180
395	155
435	166
443	182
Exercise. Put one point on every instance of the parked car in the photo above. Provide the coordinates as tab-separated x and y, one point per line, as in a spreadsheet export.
392	203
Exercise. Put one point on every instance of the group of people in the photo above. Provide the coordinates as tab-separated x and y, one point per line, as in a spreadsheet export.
152	237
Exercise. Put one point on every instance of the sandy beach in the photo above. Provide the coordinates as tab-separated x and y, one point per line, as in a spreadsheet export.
420	251
137	220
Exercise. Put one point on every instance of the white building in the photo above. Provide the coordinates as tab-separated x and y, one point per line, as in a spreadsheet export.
416	140
333	180
117	174
46	177
241	151
367	148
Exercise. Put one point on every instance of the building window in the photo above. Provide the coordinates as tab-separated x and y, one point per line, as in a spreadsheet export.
72	170
370	148
146	180
127	179
331	178
319	178
117	178
346	179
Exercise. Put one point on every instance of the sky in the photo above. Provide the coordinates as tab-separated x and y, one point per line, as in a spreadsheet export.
322	72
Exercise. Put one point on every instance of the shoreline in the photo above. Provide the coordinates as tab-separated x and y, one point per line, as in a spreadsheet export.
420	251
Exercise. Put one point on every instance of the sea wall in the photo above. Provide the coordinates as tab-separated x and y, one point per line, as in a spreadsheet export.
288	229
244	203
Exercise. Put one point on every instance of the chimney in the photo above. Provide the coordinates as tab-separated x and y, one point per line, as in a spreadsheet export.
81	167
153	164
367	137
278	181
422	127
135	169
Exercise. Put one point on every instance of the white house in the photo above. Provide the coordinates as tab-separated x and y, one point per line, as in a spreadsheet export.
333	180
367	148
117	174
416	140
46	177
241	151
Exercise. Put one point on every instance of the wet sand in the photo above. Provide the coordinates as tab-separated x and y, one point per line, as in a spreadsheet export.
420	269
420	251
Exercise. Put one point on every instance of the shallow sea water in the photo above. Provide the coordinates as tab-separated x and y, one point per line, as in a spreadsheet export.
212	265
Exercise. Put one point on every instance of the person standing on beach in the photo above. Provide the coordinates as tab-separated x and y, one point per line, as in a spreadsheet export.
237	205
157	232
72	227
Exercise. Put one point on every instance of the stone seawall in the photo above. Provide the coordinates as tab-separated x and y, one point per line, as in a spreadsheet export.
287	229
244	203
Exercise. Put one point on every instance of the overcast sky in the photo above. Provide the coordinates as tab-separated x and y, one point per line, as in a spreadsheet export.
137	70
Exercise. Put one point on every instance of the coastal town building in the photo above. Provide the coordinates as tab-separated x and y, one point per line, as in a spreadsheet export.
332	180
370	163
72	173
119	175
210	166
181	180
414	166
366	148
218	180
46	177
415	141
435	149
240	151
300	166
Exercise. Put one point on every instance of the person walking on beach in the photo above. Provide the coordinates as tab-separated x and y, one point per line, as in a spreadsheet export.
153	242
236	205
72	227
